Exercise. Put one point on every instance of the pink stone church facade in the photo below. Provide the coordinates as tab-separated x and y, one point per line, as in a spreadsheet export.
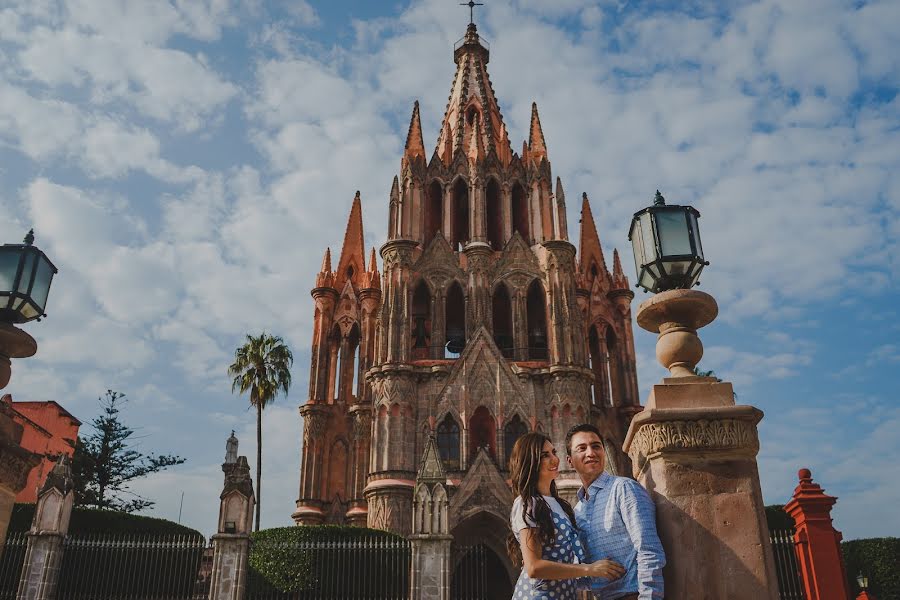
484	323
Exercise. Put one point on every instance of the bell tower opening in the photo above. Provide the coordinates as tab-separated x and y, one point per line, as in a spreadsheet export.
460	214
456	320
434	210
501	315
492	217
421	322
537	322
520	212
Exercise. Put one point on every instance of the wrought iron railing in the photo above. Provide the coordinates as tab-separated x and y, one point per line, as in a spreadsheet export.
786	568
11	562
346	570
126	567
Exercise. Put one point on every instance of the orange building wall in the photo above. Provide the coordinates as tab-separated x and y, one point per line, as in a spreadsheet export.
49	430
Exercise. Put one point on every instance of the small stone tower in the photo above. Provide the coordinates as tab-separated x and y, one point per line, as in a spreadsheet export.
484	326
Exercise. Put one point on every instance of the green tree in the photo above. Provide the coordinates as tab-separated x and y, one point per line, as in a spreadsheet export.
261	366
105	462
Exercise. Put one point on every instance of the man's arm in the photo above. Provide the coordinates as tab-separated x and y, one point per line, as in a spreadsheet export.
639	515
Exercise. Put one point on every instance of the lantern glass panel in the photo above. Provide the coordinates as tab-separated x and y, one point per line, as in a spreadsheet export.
42	283
696	231
28	311
677	268
647	280
647	238
674	238
9	263
637	244
27	269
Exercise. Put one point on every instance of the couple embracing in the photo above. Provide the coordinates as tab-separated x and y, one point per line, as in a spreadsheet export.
607	544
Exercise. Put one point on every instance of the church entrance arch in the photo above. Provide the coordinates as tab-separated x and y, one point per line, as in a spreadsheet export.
479	563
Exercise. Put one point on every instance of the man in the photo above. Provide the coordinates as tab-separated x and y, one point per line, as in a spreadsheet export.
617	520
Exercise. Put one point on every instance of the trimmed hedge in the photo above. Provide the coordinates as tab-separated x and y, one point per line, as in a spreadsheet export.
318	558
95	521
777	518
879	560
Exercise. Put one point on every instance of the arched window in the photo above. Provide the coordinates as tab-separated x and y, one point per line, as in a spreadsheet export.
501	313
448	442
492	218
600	366
334	347
515	429
456	320
460	214
536	308
482	432
434	210
613	368
349	362
420	327
520	212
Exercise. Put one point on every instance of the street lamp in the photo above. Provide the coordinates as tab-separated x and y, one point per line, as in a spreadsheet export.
668	257
668	254
863	582
25	277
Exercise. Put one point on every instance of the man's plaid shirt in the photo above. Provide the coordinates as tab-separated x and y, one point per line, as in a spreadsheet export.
617	520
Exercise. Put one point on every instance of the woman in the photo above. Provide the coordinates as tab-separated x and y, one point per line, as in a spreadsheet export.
544	527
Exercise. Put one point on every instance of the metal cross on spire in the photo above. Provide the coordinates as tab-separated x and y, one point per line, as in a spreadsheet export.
471	6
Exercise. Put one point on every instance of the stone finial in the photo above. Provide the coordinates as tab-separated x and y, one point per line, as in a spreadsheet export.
536	143
60	477
432	467
415	144
677	315
231	449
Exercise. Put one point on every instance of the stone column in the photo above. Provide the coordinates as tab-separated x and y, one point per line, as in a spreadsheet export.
40	572
231	545
695	452
818	542
430	539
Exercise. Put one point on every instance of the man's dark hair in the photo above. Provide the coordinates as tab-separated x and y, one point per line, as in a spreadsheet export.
583	427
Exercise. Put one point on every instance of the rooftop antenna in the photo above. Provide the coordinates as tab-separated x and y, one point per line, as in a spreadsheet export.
471	6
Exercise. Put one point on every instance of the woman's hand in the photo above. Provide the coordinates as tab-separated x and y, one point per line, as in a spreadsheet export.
607	569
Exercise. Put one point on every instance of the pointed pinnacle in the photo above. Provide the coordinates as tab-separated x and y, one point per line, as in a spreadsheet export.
415	144
395	189
618	273
373	266
560	194
326	262
536	142
475	148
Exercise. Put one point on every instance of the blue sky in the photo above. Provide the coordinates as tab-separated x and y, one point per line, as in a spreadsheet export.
186	163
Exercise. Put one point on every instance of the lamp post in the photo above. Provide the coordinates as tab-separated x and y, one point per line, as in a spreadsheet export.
668	258
25	277
863	582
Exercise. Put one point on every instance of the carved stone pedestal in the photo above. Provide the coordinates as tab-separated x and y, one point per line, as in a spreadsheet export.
231	545
695	452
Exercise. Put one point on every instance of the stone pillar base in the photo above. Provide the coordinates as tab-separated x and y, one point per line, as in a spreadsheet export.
230	564
695	452
430	576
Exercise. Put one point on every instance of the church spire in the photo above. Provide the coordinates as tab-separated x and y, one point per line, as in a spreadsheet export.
472	100
589	249
620	281
537	147
352	263
415	144
325	278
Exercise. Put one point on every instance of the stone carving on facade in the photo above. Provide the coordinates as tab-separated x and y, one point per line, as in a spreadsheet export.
702	434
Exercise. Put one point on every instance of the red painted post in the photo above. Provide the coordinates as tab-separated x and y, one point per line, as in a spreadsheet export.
818	543
864	595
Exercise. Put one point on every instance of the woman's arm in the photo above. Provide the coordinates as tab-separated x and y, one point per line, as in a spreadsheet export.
539	568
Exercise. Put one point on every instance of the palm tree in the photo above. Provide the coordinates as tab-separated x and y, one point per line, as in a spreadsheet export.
262	366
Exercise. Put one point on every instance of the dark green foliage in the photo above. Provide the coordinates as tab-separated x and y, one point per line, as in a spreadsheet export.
105	462
323	559
94	521
777	518
879	560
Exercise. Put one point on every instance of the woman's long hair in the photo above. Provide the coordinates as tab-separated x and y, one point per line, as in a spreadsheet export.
524	470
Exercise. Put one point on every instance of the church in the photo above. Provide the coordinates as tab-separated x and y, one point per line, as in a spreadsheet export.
485	322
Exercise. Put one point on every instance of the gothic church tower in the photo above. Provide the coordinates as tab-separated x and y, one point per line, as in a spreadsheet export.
484	326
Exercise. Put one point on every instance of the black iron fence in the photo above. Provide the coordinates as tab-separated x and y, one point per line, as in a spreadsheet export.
11	564
344	569
787	569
